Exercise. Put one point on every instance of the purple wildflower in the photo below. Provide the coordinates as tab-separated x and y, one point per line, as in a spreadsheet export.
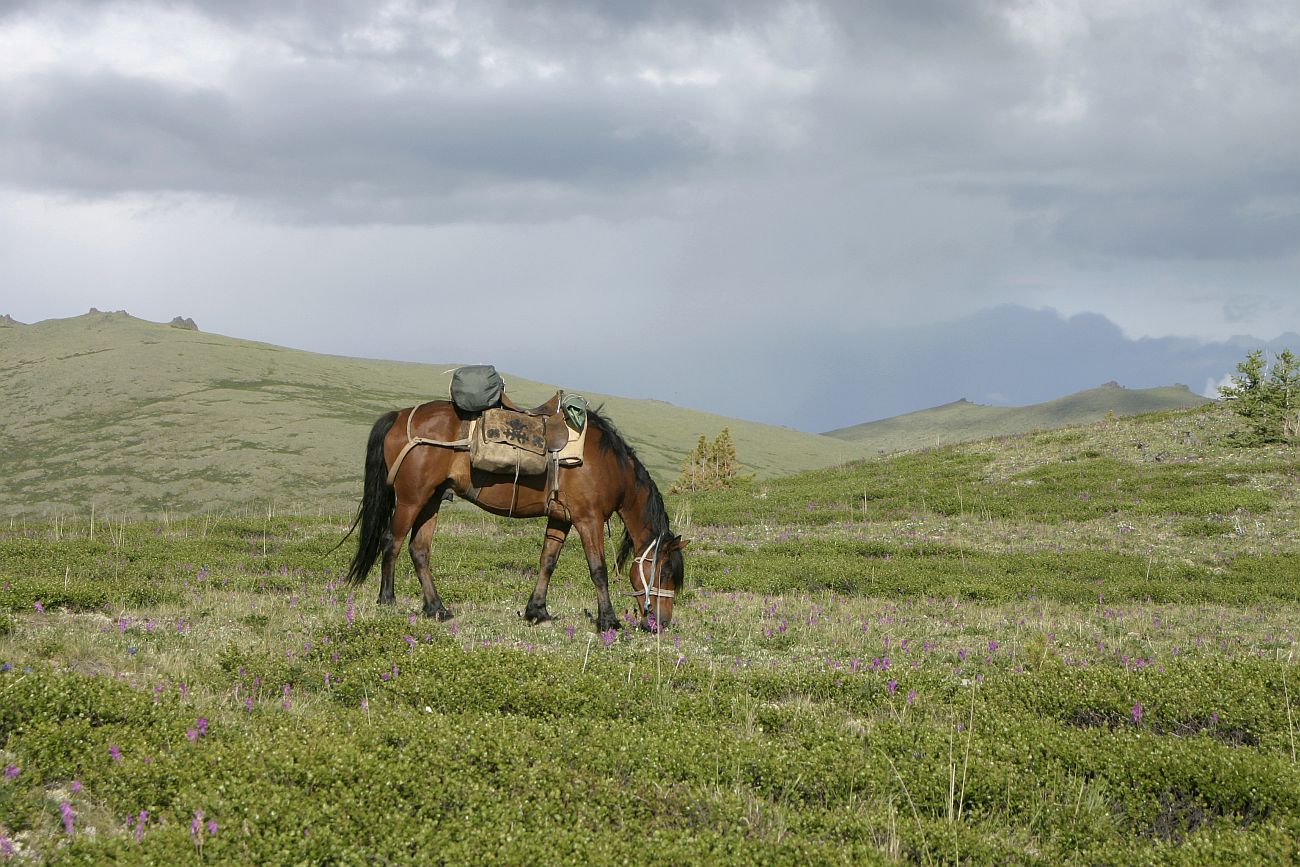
11	771
192	735
248	704
196	824
1136	713
609	636
911	696
65	810
40	609
139	825
892	686
6	847
114	753
570	630
212	826
202	725
75	787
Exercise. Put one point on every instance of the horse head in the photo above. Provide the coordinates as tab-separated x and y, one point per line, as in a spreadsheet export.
658	575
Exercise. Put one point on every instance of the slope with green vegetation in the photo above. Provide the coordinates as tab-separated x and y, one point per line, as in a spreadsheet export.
963	421
1074	647
131	417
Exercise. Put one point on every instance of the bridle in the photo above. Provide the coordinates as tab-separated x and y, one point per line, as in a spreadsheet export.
650	554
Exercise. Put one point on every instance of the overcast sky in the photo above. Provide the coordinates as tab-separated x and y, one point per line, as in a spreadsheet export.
689	201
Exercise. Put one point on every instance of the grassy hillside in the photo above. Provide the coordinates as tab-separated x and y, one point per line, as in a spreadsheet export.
134	416
963	421
1072	647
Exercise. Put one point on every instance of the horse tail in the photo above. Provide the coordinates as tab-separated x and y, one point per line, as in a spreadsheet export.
377	503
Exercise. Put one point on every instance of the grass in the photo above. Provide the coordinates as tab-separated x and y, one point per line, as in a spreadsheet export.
954	665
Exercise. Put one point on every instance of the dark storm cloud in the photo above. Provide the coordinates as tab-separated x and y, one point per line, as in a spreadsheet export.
788	185
397	103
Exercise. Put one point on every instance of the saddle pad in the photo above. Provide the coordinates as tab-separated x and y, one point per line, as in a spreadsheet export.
509	442
571	454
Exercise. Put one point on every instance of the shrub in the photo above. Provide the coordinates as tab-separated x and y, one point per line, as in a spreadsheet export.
1267	398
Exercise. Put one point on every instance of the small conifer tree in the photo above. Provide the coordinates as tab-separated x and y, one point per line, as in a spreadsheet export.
709	465
1267	398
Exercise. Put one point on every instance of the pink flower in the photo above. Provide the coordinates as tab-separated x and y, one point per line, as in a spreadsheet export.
202	725
11	771
1136	713
65	810
609	636
40	609
911	696
139	825
114	753
892	686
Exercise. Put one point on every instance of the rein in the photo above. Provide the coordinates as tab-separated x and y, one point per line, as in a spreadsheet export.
650	553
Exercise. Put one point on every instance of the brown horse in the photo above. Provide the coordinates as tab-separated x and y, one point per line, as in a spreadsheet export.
610	479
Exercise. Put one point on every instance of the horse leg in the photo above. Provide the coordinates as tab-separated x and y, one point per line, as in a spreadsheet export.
403	518
556	532
421	541
593	545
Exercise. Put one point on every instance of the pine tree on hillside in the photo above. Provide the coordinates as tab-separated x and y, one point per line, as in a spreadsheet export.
1267	398
709	465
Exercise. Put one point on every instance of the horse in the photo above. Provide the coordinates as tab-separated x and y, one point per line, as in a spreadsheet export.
610	479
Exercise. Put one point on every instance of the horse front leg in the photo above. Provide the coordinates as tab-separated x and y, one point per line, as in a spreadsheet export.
556	532
593	545
403	518
421	542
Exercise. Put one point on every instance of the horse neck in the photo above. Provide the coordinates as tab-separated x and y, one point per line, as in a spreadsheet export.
633	511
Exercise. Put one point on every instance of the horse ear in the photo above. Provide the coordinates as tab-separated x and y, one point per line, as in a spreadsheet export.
679	543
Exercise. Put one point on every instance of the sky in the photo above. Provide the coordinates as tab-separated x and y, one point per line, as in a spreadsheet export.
805	213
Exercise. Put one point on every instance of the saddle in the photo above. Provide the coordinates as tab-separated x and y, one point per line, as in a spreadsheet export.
525	442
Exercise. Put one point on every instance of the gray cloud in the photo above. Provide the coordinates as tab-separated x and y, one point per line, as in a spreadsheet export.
742	180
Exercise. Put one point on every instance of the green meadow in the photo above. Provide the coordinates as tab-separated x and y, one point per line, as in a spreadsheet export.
1065	647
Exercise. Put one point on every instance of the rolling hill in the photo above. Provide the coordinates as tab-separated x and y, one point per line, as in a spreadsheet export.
139	417
963	421
130	417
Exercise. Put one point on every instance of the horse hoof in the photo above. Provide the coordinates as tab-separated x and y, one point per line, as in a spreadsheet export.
444	615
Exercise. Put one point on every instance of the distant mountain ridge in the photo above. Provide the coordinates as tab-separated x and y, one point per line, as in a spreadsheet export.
963	421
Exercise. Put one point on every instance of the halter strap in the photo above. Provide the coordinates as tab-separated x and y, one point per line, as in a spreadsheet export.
648	589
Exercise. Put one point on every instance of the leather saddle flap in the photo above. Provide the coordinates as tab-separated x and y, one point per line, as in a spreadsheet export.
520	430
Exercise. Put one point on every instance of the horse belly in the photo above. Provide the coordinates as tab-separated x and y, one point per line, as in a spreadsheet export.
500	495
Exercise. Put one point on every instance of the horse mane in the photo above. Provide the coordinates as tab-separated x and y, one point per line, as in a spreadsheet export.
655	514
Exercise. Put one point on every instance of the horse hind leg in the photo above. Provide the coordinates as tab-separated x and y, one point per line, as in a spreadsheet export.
556	532
403	518
421	542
